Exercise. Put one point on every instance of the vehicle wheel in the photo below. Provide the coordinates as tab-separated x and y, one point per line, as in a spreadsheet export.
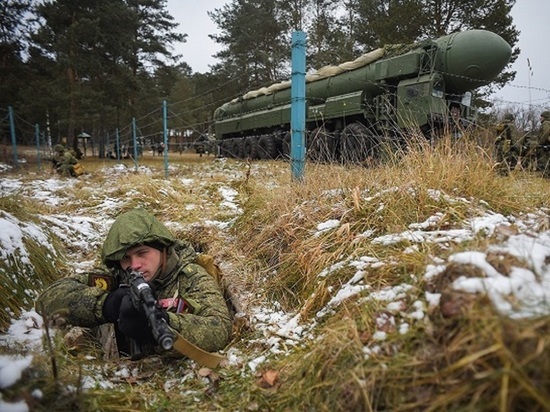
267	148
389	149
285	149
236	148
320	145
278	137
357	144
223	148
250	148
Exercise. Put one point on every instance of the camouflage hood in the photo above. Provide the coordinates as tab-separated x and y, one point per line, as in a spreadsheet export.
136	227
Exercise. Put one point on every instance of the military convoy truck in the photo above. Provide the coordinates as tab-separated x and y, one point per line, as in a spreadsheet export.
359	109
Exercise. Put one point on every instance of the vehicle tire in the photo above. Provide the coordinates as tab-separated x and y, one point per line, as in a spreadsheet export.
389	149
250	148
278	137
320	145
237	148
357	144
285	148
223	148
267	147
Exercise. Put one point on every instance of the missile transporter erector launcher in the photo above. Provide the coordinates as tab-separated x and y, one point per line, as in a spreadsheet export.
354	109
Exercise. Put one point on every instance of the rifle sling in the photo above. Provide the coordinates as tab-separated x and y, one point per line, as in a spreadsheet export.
202	357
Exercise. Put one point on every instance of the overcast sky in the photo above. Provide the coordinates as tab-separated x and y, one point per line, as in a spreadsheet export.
530	17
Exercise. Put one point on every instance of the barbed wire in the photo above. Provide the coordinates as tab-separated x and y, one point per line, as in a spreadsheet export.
154	118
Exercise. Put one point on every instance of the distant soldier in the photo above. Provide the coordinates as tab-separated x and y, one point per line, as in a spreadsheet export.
200	145
508	144
539	145
160	149
64	161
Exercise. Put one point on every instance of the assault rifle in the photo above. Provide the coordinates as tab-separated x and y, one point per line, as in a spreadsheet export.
144	301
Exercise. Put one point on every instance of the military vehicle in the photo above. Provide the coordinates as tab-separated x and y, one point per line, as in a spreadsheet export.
356	109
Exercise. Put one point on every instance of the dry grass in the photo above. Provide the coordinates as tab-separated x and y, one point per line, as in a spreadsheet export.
22	273
473	359
279	223
478	362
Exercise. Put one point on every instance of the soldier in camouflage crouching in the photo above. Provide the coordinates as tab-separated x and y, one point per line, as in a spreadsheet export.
63	161
508	145
189	298
539	145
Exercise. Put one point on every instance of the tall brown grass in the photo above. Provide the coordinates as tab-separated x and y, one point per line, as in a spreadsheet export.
275	251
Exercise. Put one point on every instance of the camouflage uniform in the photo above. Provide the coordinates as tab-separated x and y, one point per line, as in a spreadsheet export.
508	145
63	160
540	145
198	310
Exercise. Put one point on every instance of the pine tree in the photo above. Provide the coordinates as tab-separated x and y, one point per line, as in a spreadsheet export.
255	42
13	34
101	56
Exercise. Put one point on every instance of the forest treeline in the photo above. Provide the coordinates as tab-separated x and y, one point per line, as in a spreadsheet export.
73	66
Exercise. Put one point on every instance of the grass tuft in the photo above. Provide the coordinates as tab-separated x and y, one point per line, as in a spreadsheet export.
292	248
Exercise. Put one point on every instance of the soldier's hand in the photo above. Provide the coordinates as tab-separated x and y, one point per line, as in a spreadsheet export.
111	306
133	324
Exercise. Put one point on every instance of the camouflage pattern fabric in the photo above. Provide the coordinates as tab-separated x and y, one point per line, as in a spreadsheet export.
543	146
508	146
538	147
64	161
135	227
72	299
205	321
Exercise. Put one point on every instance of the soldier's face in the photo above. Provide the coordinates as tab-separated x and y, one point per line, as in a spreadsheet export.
144	259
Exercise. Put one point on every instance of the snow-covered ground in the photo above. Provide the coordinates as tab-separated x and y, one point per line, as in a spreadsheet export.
526	239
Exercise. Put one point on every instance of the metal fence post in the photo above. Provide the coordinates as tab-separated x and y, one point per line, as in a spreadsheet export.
298	105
